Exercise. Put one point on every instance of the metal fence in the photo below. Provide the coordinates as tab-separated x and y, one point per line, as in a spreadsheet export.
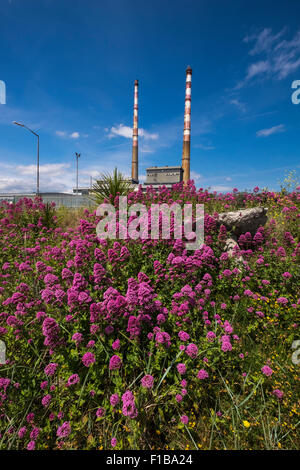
60	199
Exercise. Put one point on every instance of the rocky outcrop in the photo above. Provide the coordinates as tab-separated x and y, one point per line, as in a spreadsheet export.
232	248
244	220
238	222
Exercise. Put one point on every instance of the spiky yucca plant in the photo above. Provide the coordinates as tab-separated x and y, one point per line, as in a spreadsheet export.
109	186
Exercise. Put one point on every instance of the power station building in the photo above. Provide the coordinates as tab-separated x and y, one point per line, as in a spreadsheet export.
163	176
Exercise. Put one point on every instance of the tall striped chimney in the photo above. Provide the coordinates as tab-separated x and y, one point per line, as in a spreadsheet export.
135	157
187	127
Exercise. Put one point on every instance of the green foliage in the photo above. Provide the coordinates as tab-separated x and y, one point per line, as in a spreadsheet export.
290	181
109	186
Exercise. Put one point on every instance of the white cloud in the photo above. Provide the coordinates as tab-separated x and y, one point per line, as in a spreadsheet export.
142	178
49	169
220	188
60	133
195	176
236	102
282	56
258	68
22	178
74	135
263	41
147	135
126	131
271	130
204	147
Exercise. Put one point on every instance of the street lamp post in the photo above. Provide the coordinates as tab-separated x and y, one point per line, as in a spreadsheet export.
77	157
38	155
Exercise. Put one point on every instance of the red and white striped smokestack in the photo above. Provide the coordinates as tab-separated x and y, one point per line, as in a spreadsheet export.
187	127
135	157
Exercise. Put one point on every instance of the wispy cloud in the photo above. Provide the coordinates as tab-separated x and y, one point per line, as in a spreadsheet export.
271	130
204	147
196	176
126	131
220	188
279	56
236	102
264	41
72	135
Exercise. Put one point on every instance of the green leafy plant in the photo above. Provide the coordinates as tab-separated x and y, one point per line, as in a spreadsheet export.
109	186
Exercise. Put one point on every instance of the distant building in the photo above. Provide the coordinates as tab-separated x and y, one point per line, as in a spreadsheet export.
163	176
85	191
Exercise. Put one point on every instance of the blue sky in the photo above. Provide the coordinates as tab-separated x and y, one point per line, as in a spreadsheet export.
69	68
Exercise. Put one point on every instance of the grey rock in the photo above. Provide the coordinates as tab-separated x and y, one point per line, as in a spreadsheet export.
232	248
244	220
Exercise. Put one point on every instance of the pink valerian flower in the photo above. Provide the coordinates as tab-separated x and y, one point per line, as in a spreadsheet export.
192	350
227	327
30	418
287	275
73	379
129	408
34	433
147	381
267	371
77	338
22	432
178	398
116	345
113	442
31	445
183	383
181	368
202	374
50	369
88	359
184	419
183	336
278	393
115	362
282	300
100	412
226	346
51	331
64	430
162	337
114	399
210	336
46	400
44	385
